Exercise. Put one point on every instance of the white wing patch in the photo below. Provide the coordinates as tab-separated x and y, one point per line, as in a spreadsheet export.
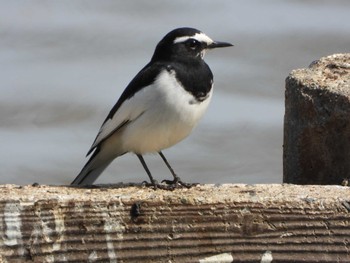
127	112
201	37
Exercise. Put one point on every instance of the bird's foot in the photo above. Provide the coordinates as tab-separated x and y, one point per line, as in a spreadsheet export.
178	183
155	185
168	184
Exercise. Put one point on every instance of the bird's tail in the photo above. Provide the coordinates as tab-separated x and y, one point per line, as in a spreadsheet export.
92	169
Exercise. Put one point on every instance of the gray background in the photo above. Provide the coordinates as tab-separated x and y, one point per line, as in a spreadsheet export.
65	63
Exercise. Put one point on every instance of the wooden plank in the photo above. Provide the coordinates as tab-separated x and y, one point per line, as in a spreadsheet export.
207	223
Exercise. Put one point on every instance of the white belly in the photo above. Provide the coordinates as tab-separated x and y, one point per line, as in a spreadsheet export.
170	113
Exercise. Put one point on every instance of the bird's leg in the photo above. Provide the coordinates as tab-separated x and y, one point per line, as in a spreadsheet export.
177	181
153	181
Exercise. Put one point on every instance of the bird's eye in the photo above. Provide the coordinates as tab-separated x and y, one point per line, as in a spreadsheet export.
193	44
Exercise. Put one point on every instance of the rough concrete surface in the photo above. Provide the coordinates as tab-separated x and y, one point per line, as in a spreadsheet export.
207	223
317	122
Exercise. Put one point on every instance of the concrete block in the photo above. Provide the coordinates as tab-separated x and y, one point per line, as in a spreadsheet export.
317	123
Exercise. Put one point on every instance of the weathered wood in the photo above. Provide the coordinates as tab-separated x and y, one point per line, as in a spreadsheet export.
240	223
317	123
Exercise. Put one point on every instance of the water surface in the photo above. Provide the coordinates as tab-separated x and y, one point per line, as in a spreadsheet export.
65	63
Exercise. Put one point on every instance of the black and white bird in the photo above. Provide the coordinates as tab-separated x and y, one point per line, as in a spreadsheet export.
160	106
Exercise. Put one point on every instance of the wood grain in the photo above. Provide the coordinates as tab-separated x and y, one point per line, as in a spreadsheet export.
236	223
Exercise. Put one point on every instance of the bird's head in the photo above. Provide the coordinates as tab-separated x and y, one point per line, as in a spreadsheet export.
185	42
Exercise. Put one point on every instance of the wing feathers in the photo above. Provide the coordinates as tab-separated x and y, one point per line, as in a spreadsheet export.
99	138
123	111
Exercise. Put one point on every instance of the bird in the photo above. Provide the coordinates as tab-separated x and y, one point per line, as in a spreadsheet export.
159	107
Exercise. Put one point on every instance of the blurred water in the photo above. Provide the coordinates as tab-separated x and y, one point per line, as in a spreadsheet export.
63	64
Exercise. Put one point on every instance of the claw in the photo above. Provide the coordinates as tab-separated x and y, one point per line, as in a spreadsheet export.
177	183
155	185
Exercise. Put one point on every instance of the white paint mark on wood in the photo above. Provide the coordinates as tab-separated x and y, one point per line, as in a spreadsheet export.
59	232
92	257
108	228
113	228
13	223
221	258
266	257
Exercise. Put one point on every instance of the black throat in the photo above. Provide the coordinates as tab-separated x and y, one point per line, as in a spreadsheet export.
194	75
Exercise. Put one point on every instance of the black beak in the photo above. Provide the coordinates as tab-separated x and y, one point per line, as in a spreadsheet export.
217	44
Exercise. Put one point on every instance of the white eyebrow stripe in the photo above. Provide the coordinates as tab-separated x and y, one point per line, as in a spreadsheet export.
201	37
